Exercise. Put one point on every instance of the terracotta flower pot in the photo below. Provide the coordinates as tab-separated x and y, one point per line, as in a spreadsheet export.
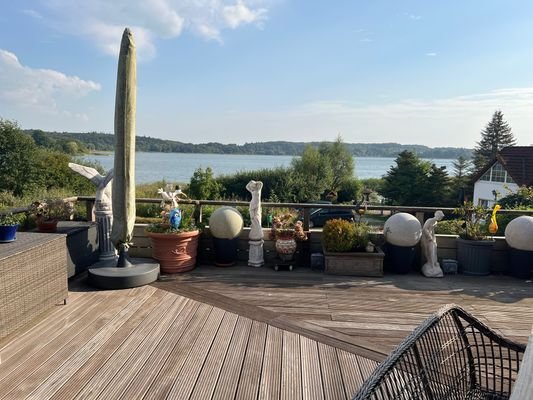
47	225
286	248
176	252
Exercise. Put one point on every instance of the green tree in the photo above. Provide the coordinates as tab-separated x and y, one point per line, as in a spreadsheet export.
18	170
496	135
461	185
203	185
312	175
341	163
415	182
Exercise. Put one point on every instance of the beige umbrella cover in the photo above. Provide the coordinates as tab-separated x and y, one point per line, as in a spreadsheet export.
125	109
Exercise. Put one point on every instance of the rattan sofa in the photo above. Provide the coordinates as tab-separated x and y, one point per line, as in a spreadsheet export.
452	355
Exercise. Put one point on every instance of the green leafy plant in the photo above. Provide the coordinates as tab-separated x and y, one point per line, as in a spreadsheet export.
338	235
51	209
9	219
474	221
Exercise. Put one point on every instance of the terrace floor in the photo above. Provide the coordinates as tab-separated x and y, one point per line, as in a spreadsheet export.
241	333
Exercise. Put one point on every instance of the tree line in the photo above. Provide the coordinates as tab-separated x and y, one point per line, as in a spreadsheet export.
94	141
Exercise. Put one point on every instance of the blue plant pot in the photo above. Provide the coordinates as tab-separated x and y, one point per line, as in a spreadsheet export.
8	233
225	251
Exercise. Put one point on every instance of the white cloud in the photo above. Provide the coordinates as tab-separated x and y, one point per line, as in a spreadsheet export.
239	14
38	89
432	54
100	20
413	16
32	13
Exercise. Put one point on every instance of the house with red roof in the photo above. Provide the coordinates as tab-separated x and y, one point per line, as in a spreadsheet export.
511	168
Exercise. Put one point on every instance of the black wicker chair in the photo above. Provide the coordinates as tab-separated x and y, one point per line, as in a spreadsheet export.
452	355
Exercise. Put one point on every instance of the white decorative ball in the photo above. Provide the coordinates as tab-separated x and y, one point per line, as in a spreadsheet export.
226	223
402	229
519	233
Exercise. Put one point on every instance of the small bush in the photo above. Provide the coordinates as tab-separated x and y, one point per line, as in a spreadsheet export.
338	235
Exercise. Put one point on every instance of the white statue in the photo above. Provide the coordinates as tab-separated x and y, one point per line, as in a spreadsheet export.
169	194
103	208
256	258
431	268
103	185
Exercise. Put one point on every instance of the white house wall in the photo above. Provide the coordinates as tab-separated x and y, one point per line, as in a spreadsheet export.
483	190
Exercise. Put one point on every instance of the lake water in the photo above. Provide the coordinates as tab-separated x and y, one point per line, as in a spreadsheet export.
179	167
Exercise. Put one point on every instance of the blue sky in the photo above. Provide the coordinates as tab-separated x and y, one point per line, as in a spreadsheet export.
238	71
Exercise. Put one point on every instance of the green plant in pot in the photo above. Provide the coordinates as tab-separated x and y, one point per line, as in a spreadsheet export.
9	224
47	213
174	244
348	249
474	245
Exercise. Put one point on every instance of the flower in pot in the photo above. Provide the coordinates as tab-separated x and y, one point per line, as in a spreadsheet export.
174	240
9	224
286	231
474	245
47	213
348	249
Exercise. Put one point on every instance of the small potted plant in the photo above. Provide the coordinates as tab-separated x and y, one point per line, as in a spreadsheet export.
474	245
348	249
48	213
9	224
175	238
286	231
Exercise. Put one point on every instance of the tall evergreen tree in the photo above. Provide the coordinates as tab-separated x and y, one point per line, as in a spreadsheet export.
496	135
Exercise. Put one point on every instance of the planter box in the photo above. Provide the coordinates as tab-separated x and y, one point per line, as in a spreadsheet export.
356	263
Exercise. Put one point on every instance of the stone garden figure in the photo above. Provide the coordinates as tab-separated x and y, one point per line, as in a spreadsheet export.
431	268
256	258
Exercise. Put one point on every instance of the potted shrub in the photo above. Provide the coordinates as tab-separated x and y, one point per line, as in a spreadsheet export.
175	238
348	250
9	224
286	230
474	246
48	213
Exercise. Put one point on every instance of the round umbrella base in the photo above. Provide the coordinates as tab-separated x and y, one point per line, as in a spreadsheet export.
138	274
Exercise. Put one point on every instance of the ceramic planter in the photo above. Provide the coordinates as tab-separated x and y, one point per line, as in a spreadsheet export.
399	259
176	252
474	256
354	263
47	225
8	233
225	251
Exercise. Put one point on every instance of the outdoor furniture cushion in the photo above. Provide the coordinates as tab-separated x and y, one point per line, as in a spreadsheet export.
451	355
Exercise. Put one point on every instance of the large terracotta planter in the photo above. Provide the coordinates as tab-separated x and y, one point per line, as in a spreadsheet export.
176	252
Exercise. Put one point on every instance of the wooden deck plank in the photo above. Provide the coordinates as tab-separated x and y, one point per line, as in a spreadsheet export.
311	374
17	367
34	339
350	371
103	327
248	387
105	357
291	371
207	380
186	379
157	318
162	384
331	372
269	387
144	379
231	369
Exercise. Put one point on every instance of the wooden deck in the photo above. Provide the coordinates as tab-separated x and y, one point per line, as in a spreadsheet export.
240	333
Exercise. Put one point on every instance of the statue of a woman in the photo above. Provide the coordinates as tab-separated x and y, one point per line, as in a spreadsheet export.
431	268
254	187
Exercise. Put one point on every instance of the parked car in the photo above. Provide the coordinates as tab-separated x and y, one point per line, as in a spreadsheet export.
320	216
